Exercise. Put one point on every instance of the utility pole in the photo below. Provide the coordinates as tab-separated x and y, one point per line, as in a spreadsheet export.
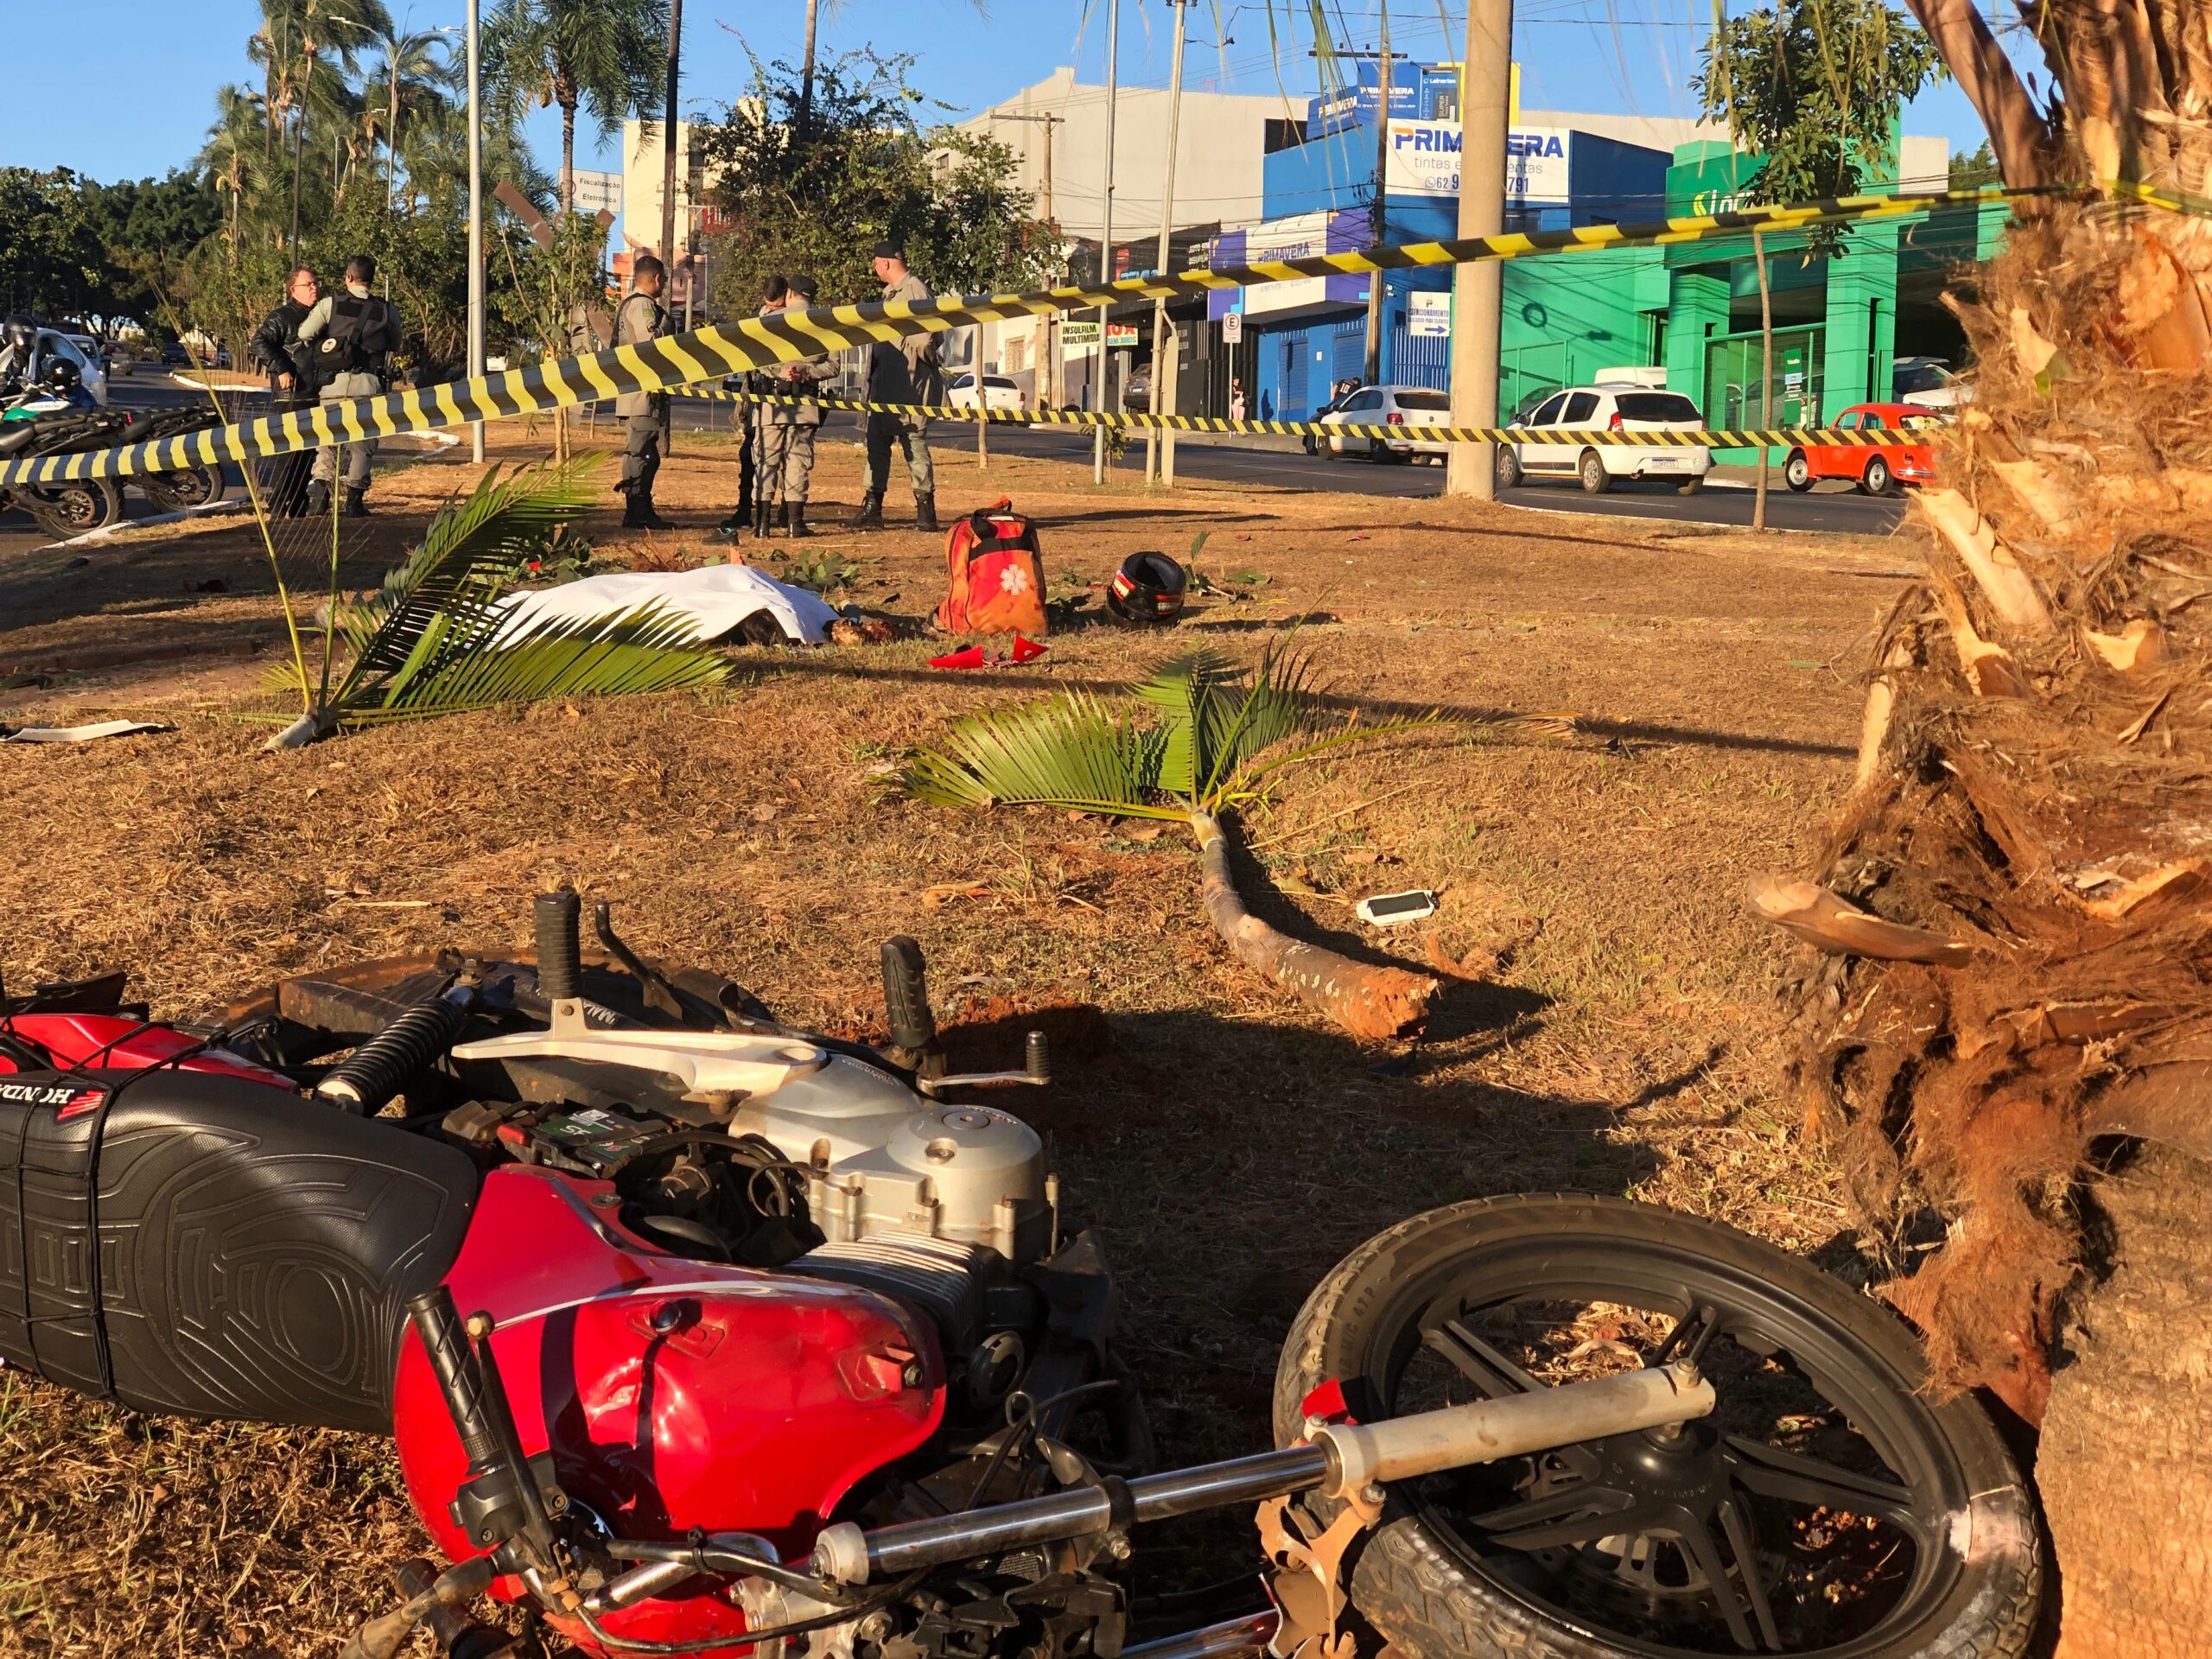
1159	446
1477	290
1106	239
668	158
475	220
1048	366
1372	369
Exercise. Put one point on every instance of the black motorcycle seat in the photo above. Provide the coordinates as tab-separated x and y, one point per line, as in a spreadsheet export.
254	1250
17	436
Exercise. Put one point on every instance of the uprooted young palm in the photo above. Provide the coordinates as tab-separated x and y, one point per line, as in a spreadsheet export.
437	638
1218	737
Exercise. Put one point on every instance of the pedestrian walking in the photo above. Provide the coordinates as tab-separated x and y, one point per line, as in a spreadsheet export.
644	413
291	386
1235	398
910	372
787	432
348	336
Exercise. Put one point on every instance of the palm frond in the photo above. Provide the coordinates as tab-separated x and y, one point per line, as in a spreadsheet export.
1072	753
643	652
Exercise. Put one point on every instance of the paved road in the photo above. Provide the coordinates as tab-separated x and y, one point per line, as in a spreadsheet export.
1847	511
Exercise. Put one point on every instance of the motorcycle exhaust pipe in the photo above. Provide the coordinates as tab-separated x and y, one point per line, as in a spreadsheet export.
1231	1635
1341	1460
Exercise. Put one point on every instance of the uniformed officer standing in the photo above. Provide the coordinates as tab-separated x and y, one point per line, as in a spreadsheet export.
909	373
787	432
645	413
350	336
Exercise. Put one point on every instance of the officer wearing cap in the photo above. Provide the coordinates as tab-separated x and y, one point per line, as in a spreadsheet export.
787	431
644	413
908	373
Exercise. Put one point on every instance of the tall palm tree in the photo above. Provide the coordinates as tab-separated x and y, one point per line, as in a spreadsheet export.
604	57
241	126
418	70
818	12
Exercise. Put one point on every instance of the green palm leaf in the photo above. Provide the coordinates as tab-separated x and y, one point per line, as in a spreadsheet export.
1221	733
1072	753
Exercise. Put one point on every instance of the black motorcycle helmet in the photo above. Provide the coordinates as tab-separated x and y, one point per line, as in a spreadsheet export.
1148	588
62	377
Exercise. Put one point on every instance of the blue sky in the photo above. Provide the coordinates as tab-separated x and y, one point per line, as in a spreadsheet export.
158	62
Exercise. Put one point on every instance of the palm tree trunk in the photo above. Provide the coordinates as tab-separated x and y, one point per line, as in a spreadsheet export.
1766	374
806	72
1372	1003
2033	783
391	144
568	155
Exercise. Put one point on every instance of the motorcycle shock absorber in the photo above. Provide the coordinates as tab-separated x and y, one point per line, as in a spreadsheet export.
380	1068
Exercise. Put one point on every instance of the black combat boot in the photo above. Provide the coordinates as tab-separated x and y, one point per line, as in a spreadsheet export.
640	514
926	512
318	498
763	518
357	501
795	514
731	527
870	516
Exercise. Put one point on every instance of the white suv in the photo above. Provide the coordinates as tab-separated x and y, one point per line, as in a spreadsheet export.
1609	407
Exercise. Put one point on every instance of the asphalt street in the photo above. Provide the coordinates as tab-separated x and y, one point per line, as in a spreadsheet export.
1834	508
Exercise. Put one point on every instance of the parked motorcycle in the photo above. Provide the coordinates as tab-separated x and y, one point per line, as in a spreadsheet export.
703	1335
48	421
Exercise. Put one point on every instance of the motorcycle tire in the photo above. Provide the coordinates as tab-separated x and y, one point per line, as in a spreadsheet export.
195	486
1508	1561
70	509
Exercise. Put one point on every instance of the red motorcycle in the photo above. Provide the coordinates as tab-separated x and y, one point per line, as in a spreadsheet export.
699	1335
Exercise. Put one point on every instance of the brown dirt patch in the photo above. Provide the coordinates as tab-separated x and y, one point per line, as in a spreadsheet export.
1229	1146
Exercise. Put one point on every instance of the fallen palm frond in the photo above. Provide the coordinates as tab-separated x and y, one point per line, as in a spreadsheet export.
1222	735
436	637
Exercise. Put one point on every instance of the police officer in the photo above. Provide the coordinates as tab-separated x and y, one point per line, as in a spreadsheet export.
349	337
645	413
754	386
787	431
291	386
909	373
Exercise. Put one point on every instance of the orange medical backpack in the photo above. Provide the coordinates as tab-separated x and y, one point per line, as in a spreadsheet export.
995	573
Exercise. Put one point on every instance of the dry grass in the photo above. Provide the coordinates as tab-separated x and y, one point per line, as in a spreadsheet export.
1621	1038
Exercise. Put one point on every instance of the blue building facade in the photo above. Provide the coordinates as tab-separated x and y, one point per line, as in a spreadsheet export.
1303	337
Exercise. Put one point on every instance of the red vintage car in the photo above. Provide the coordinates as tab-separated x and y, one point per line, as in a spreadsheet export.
1877	469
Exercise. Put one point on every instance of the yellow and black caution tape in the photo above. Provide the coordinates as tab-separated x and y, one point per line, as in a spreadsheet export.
1583	436
789	336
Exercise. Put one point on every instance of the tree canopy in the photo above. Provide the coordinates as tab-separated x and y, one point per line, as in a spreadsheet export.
864	168
1815	87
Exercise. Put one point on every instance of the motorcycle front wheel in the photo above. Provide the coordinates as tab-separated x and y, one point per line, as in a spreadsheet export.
67	510
1828	1507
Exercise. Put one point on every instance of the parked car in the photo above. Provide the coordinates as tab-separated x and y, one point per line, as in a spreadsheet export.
999	391
1136	392
1609	407
1410	406
1876	469
174	356
1928	382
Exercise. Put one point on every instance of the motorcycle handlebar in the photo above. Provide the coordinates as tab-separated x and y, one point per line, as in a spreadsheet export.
437	1322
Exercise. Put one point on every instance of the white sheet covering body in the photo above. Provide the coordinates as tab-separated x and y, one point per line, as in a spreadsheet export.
717	598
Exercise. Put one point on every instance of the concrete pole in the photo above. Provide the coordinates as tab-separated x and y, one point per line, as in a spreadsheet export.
1106	241
1048	379
1164	349
476	222
1478	291
1372	369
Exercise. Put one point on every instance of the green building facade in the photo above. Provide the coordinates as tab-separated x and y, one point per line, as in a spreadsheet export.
1840	320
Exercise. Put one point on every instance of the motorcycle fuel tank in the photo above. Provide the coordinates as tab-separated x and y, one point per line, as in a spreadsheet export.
673	1394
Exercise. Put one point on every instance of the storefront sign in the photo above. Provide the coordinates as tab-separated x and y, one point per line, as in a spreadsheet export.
1424	161
1428	316
1083	336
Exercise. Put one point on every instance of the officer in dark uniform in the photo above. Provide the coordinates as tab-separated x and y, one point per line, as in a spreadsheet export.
350	337
645	414
291	386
